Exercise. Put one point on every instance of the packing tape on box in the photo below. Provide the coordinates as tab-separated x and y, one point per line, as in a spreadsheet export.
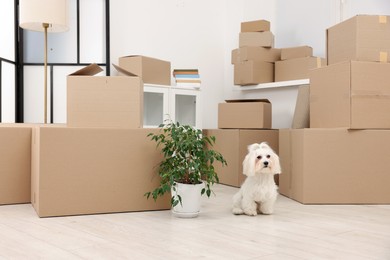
383	56
318	62
382	19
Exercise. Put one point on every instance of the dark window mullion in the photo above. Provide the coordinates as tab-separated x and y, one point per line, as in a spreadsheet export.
51	95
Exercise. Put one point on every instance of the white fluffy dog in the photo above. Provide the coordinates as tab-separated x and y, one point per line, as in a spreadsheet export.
259	192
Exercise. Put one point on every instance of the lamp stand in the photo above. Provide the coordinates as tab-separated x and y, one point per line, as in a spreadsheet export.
45	26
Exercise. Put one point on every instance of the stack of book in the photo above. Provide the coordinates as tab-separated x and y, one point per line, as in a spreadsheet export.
187	77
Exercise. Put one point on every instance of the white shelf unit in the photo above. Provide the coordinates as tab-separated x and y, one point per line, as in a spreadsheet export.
182	104
274	84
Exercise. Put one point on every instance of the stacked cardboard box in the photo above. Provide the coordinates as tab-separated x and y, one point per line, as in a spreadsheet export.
241	123
254	59
102	161
342	158
296	62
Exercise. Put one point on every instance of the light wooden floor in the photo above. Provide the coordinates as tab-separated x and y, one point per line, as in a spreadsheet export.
295	231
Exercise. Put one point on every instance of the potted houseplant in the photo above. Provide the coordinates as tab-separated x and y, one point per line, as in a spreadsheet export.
187	166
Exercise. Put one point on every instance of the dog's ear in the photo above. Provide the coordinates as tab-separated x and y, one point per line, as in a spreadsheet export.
249	163
277	169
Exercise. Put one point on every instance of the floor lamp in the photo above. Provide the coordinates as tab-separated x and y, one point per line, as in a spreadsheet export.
44	16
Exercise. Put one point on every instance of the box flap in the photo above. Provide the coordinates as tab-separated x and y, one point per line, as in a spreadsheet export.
247	100
121	70
90	70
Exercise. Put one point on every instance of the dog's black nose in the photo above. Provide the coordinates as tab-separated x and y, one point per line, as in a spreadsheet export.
265	163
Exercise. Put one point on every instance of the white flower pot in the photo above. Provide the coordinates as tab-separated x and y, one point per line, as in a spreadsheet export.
191	197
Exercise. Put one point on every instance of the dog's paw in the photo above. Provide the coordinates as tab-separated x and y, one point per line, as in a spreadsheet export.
250	212
237	211
267	212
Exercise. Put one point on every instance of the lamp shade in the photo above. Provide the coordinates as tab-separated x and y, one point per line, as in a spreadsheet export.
33	13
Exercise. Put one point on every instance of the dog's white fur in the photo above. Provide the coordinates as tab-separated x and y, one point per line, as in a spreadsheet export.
258	193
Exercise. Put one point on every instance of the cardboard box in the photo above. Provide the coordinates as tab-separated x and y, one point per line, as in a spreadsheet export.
93	170
15	163
255	26
301	118
253	72
255	53
361	38
335	165
263	39
350	94
245	113
104	101
297	68
233	145
151	70
296	52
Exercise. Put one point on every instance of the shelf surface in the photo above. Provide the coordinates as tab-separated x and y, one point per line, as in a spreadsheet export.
279	84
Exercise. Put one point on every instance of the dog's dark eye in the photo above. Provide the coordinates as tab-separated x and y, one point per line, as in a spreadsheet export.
259	157
268	156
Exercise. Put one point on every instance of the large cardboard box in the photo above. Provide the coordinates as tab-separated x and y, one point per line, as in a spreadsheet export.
104	101
298	68
263	39
350	94
301	117
15	163
255	53
151	70
233	145
363	38
335	165
245	113
93	170
255	26
253	72
296	52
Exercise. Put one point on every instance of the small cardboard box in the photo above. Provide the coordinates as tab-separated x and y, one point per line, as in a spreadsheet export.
93	170
253	72
335	165
233	145
296	52
262	39
151	70
255	26
298	68
255	53
350	94
104	101
361	38
15	163
245	113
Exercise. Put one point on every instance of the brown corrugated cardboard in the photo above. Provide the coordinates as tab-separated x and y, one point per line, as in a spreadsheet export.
15	163
233	144
263	39
299	68
104	101
363	38
255	26
301	118
255	53
335	166
93	170
296	52
353	94
245	113
253	72
151	70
